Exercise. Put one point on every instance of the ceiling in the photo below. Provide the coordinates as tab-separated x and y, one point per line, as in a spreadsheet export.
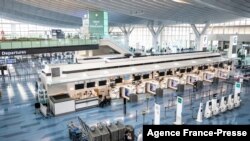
141	11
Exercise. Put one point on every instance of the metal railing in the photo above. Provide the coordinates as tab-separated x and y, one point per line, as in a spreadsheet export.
46	43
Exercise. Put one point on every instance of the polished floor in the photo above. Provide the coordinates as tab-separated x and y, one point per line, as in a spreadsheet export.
19	123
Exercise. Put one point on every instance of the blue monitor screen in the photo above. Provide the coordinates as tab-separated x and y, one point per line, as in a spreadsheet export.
10	61
126	92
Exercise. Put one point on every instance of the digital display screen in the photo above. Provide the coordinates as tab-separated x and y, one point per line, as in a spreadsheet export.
103	83
118	80
200	68
10	61
215	65
126	92
152	87
137	77
169	72
79	86
205	67
161	73
221	65
90	84
178	69
2	61
210	103
182	70
146	76
189	69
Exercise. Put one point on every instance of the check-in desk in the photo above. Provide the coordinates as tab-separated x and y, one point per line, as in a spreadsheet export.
208	76
191	78
87	103
223	74
173	82
61	104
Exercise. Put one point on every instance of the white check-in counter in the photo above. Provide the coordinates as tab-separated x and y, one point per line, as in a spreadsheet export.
61	104
87	103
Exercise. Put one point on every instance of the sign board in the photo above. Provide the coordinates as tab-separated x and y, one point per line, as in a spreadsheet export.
157	109
235	40
237	87
205	40
179	106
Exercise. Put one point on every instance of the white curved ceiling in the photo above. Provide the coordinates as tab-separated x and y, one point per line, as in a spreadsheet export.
139	11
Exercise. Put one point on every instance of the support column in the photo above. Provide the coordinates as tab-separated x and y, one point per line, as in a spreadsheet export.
127	30
198	36
155	31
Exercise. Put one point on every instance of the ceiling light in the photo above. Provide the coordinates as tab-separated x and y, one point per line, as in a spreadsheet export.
181	1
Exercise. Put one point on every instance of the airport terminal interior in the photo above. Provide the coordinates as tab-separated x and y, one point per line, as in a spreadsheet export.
98	70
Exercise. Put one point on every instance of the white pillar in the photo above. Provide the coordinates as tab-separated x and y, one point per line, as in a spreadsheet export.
155	33
199	40
127	30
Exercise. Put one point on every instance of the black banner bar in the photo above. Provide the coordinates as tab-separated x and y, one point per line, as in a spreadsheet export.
163	132
26	51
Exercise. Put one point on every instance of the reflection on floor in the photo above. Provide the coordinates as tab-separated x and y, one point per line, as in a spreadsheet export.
18	121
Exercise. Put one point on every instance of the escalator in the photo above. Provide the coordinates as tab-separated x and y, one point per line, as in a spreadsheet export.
117	47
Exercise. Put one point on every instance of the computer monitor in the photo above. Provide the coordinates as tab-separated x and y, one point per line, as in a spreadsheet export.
182	70
161	73
215	65
137	77
79	86
118	80
90	84
200	68
145	76
189	69
205	67
169	72
103	83
221	65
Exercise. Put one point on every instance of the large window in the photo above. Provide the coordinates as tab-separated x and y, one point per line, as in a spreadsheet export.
13	29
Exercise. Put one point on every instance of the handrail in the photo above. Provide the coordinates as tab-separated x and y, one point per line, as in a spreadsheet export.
46	43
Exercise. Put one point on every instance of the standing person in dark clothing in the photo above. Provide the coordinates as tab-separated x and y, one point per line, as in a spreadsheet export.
195	86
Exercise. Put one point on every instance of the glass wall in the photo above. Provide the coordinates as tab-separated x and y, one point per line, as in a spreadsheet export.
13	30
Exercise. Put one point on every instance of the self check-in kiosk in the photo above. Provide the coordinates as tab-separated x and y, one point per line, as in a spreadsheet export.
191	78
151	87
223	104
208	109
173	82
141	88
208	76
127	90
223	74
215	105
